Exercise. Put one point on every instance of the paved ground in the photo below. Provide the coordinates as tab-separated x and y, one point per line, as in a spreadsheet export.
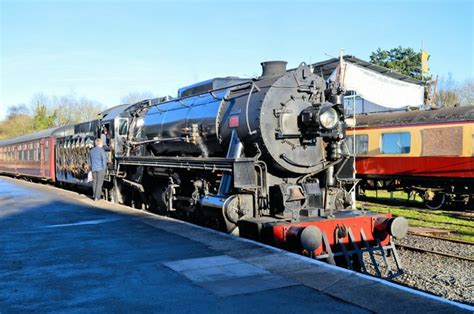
60	251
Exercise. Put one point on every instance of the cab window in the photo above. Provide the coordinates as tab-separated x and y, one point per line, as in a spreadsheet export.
123	126
396	143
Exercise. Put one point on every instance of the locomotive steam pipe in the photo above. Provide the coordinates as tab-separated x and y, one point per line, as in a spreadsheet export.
235	151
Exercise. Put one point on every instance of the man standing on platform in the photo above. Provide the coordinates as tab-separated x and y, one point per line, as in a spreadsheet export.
97	164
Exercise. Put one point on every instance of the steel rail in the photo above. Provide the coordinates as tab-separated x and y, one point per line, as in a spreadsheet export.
417	249
441	238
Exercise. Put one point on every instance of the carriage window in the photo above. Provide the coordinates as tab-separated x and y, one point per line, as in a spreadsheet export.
361	143
396	143
46	150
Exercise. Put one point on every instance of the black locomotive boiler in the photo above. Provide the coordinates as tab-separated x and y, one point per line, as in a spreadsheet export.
242	149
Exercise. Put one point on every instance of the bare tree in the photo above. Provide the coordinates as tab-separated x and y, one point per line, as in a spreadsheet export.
447	95
46	111
466	93
20	109
72	109
134	97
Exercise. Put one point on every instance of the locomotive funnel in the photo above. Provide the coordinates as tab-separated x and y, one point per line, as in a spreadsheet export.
273	68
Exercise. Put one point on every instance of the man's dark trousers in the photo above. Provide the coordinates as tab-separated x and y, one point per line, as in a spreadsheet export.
97	182
98	165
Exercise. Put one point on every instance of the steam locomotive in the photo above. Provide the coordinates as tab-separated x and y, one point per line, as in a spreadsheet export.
262	158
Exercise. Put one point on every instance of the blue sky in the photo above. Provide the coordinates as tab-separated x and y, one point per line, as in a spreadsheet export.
105	49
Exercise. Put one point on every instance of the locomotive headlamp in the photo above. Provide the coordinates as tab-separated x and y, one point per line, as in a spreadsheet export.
328	118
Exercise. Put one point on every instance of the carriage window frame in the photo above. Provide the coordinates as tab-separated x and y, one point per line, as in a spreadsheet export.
362	141
395	143
46	150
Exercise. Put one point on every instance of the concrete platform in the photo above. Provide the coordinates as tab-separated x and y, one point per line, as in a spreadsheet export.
61	252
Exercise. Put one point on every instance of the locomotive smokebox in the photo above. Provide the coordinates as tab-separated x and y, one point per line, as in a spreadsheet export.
273	68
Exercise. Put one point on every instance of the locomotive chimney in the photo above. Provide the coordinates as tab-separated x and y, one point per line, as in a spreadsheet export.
273	68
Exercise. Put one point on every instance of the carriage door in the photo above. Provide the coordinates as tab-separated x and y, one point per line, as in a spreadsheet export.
121	131
40	153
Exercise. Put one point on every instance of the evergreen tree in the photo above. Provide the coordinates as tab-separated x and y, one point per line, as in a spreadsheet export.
402	60
42	119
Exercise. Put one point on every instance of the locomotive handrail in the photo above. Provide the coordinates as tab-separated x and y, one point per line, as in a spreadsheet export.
254	86
158	140
208	164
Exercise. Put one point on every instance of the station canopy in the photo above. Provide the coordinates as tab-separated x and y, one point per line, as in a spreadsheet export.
374	83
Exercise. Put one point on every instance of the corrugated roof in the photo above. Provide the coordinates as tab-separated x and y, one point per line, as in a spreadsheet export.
327	67
447	114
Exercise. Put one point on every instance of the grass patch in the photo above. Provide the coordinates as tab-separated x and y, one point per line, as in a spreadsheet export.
460	227
397	195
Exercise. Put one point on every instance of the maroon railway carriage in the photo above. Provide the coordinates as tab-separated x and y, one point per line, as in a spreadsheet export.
29	156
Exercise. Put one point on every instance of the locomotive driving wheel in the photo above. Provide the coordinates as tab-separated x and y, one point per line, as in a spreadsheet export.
159	199
434	200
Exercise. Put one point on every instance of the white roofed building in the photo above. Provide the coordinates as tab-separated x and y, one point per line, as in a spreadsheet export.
372	88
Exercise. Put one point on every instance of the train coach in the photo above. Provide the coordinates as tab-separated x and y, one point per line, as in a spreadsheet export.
429	152
261	158
30	156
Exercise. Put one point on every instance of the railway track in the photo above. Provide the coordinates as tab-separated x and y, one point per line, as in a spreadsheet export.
467	212
440	238
417	249
446	246
438	265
